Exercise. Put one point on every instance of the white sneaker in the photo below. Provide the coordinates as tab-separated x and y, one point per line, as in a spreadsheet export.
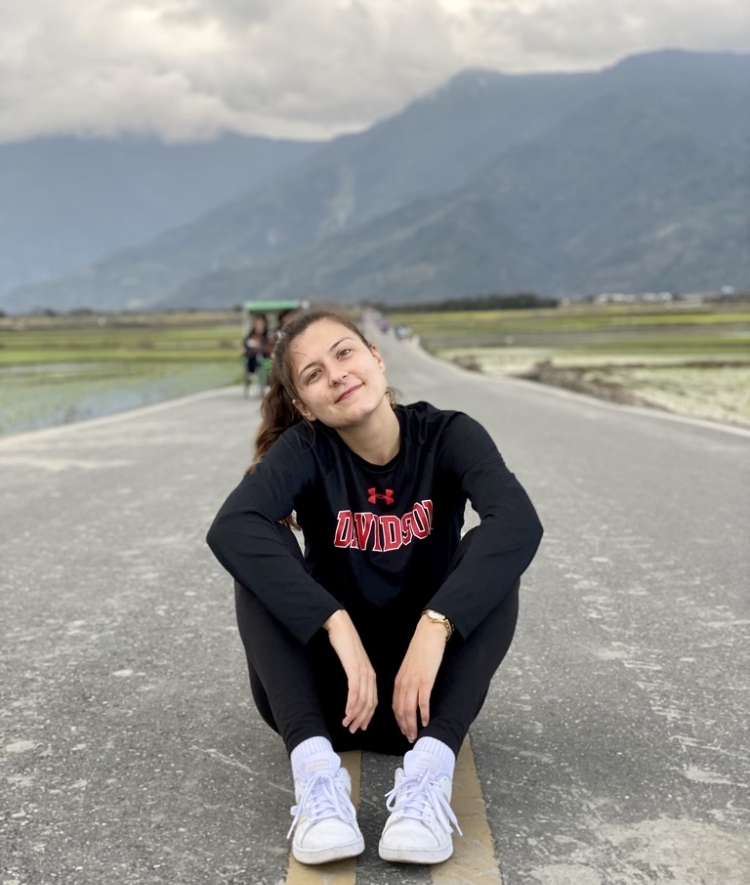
421	821
325	819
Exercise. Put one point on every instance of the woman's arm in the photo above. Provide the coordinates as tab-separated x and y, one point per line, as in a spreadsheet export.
246	539
502	547
507	537
416	676
362	697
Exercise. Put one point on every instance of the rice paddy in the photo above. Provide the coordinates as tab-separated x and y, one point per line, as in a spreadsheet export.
692	359
55	370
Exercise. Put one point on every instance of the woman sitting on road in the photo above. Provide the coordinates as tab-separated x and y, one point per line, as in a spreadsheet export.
385	635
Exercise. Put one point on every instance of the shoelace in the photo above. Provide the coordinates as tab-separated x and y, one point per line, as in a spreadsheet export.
323	796
414	793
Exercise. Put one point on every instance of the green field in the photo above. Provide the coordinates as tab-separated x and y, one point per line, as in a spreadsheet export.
55	370
180	337
584	324
688	358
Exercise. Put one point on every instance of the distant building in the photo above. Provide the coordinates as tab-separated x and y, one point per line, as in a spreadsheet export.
633	297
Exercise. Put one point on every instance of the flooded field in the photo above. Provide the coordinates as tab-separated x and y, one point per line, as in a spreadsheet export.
710	388
47	394
691	359
60	369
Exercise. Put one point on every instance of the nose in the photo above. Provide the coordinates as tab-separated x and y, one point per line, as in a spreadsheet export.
338	375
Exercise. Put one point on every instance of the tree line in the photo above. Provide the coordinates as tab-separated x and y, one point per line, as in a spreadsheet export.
496	301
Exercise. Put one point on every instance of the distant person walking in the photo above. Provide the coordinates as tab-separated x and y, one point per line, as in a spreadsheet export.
385	635
255	346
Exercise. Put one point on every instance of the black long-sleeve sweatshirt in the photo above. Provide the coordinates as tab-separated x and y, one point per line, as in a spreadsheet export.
379	532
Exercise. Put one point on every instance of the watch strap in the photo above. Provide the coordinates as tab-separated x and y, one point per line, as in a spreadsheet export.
438	618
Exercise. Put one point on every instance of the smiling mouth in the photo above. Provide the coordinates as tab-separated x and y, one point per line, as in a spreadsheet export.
347	393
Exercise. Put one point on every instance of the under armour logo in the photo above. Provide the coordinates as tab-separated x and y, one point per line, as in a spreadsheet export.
374	497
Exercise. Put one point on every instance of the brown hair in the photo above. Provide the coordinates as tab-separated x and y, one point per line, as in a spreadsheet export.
278	412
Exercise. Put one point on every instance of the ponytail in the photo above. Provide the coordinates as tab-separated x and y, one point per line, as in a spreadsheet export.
277	415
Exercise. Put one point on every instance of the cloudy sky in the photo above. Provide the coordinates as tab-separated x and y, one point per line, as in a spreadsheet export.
190	69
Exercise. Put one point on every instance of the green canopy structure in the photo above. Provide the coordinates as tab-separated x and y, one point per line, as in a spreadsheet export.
264	306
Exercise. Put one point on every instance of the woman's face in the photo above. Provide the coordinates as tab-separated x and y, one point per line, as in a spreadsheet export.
339	379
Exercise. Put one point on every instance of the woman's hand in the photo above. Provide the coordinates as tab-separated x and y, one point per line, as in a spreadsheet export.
363	693
416	676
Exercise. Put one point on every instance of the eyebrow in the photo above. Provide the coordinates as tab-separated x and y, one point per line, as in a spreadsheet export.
332	347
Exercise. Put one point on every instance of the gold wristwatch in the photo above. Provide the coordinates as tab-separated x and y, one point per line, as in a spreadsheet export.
437	618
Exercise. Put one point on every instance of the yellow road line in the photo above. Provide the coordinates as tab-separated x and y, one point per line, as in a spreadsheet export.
341	872
474	858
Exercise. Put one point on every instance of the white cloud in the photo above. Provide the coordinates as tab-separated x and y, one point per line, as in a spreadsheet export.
186	69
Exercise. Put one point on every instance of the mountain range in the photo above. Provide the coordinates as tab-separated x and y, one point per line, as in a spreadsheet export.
634	178
65	202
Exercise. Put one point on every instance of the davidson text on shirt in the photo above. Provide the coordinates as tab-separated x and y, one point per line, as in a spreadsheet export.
370	531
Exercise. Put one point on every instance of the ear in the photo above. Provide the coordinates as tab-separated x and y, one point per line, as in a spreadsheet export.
303	410
378	358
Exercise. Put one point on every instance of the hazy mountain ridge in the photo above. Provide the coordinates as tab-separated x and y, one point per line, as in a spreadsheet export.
632	178
433	145
67	201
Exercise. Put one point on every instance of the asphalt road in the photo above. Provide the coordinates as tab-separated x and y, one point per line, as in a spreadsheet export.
614	746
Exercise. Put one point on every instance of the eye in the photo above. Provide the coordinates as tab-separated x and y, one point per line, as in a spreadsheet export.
345	351
312	375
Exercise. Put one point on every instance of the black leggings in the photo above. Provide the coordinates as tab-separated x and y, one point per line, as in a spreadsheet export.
300	690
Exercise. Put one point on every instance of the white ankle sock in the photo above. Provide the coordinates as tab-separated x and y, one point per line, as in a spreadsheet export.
432	753
313	752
